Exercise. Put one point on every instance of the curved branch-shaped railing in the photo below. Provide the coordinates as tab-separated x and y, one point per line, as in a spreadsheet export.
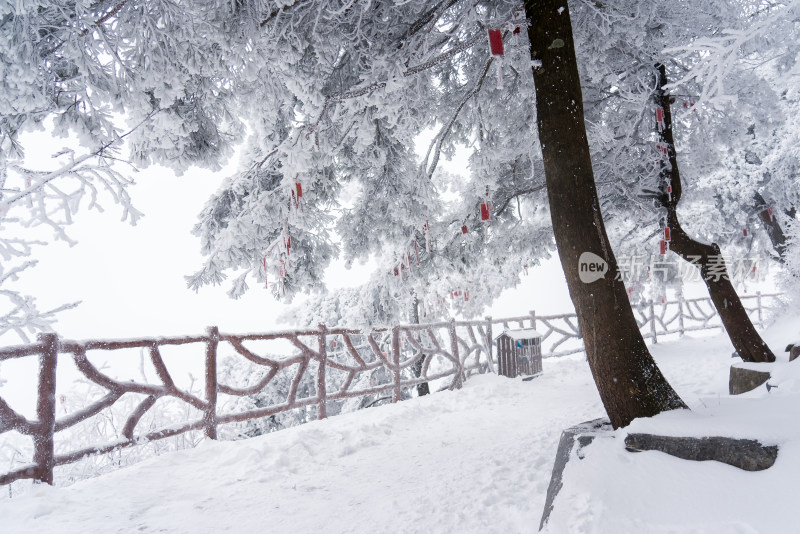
327	365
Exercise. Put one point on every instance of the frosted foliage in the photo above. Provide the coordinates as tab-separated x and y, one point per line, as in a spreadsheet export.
331	97
355	88
732	97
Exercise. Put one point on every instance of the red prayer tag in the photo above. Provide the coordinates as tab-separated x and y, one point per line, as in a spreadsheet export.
496	42
485	211
663	247
744	232
464	229
666	234
299	187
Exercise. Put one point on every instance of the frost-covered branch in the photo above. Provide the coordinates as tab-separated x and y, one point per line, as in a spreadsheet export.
18	313
716	57
31	198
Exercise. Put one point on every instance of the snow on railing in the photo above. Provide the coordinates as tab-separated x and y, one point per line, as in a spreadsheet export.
325	368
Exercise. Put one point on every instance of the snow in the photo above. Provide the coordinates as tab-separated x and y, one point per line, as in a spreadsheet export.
521	333
474	460
612	490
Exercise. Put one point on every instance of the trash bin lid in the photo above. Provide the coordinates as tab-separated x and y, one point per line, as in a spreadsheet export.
521	333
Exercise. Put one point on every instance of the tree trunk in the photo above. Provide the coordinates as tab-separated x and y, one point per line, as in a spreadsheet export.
627	377
742	333
771	225
416	367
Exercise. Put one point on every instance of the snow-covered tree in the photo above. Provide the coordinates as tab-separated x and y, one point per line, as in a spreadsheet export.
624	97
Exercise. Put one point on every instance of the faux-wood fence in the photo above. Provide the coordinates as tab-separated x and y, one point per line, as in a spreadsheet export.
339	363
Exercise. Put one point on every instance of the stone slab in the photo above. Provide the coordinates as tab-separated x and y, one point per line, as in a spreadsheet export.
746	454
743	380
574	438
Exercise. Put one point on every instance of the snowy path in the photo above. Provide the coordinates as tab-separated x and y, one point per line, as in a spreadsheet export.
476	460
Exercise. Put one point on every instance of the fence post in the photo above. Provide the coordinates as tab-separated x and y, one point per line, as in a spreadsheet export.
396	362
489	343
681	329
653	322
532	313
760	313
322	392
44	449
458	382
210	412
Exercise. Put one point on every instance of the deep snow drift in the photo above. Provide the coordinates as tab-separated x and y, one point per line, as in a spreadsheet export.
475	460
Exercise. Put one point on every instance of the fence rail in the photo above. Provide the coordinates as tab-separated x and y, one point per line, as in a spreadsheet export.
331	365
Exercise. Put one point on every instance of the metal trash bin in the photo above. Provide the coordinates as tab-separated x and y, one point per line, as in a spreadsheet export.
519	352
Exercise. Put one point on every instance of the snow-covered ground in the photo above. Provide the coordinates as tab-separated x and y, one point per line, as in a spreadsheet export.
475	460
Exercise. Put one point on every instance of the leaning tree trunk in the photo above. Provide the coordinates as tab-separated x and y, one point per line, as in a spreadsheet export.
627	377
743	335
416	367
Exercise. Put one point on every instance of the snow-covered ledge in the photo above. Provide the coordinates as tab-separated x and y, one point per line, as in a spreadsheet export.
747	376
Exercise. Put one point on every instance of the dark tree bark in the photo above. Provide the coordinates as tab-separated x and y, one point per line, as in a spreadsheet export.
416	367
771	225
742	333
627	377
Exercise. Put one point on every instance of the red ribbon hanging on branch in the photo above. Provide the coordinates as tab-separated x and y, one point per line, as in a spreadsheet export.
496	47
486	207
660	118
496	42
297	194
